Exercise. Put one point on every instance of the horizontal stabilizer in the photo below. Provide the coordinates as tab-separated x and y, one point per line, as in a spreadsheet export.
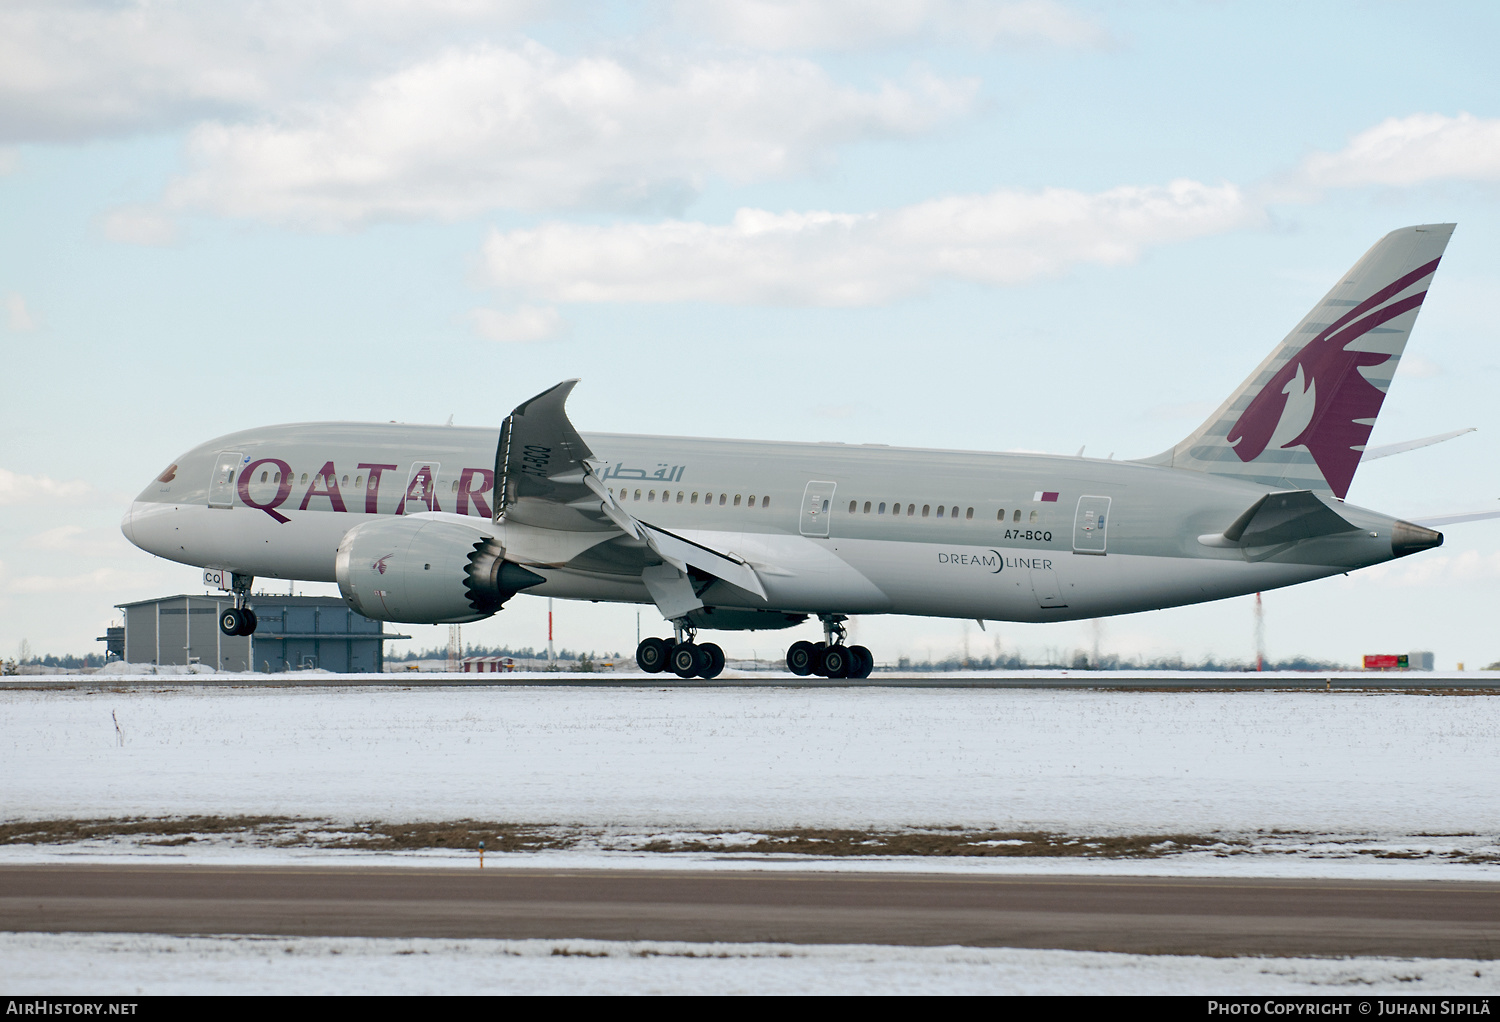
1276	518
1386	450
1433	521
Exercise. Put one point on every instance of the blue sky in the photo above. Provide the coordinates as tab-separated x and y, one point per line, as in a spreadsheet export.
1026	225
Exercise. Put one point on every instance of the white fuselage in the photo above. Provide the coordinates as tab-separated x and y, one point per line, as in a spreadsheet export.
829	528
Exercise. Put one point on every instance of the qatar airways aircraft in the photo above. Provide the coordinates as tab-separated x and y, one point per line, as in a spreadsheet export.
441	524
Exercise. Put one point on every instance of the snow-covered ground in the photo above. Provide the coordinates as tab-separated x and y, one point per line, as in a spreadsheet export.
1350	764
126	964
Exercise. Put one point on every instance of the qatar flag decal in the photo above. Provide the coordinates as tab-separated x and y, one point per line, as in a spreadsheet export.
1044	497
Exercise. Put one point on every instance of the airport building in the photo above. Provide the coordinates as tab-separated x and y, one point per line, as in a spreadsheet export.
292	632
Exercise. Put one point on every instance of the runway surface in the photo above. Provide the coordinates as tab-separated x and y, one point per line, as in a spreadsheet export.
1140	915
1156	681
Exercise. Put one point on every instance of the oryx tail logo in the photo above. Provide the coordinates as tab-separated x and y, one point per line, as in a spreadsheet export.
380	565
1320	399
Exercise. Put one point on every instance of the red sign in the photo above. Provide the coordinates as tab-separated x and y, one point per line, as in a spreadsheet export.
1385	662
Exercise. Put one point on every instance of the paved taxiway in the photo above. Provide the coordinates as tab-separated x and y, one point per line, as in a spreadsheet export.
1129	914
1447	682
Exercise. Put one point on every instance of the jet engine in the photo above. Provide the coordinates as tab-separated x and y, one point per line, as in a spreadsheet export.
423	571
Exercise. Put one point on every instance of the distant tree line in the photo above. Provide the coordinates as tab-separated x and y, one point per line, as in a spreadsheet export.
524	653
1083	662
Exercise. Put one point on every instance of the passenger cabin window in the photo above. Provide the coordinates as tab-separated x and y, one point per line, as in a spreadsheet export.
454	488
346	481
765	501
1017	516
263	476
926	508
853	506
679	496
736	500
911	509
881	509
359	481
1034	516
694	499
969	514
651	496
953	513
752	502
637	494
304	477
825	507
940	511
1000	516
867	507
723	497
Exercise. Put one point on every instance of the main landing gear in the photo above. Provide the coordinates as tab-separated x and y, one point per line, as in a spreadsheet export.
680	655
830	658
239	619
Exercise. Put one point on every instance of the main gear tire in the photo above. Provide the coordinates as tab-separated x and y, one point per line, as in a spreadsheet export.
715	664
250	622
688	660
861	662
651	655
799	658
833	661
231	621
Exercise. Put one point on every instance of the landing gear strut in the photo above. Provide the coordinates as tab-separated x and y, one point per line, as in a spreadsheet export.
681	654
830	658
239	619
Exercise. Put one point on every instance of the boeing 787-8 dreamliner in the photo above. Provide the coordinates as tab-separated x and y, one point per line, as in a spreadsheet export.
435	524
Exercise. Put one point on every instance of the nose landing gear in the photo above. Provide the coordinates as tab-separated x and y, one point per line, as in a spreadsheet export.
680	655
830	658
239	619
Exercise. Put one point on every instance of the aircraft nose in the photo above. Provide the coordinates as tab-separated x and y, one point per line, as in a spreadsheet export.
127	524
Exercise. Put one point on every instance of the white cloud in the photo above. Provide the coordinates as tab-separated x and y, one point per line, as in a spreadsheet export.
1411	150
22	489
1435	570
17	316
76	581
487	127
856	24
1417	367
139	225
839	259
72	69
523	324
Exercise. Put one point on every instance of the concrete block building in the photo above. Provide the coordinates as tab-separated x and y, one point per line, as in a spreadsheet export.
292	632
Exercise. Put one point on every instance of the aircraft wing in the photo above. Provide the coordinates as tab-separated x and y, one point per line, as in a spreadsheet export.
546	479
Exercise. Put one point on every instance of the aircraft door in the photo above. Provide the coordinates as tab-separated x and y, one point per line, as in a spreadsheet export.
421	489
817	505
1044	586
1090	525
221	486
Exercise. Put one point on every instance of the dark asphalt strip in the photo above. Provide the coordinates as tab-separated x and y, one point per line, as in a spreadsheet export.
1160	915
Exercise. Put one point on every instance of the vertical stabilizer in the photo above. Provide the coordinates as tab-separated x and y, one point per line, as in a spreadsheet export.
1300	422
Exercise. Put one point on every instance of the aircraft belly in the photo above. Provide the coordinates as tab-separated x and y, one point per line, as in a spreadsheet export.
1000	584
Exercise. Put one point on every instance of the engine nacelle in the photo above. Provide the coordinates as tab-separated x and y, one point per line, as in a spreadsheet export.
425	571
